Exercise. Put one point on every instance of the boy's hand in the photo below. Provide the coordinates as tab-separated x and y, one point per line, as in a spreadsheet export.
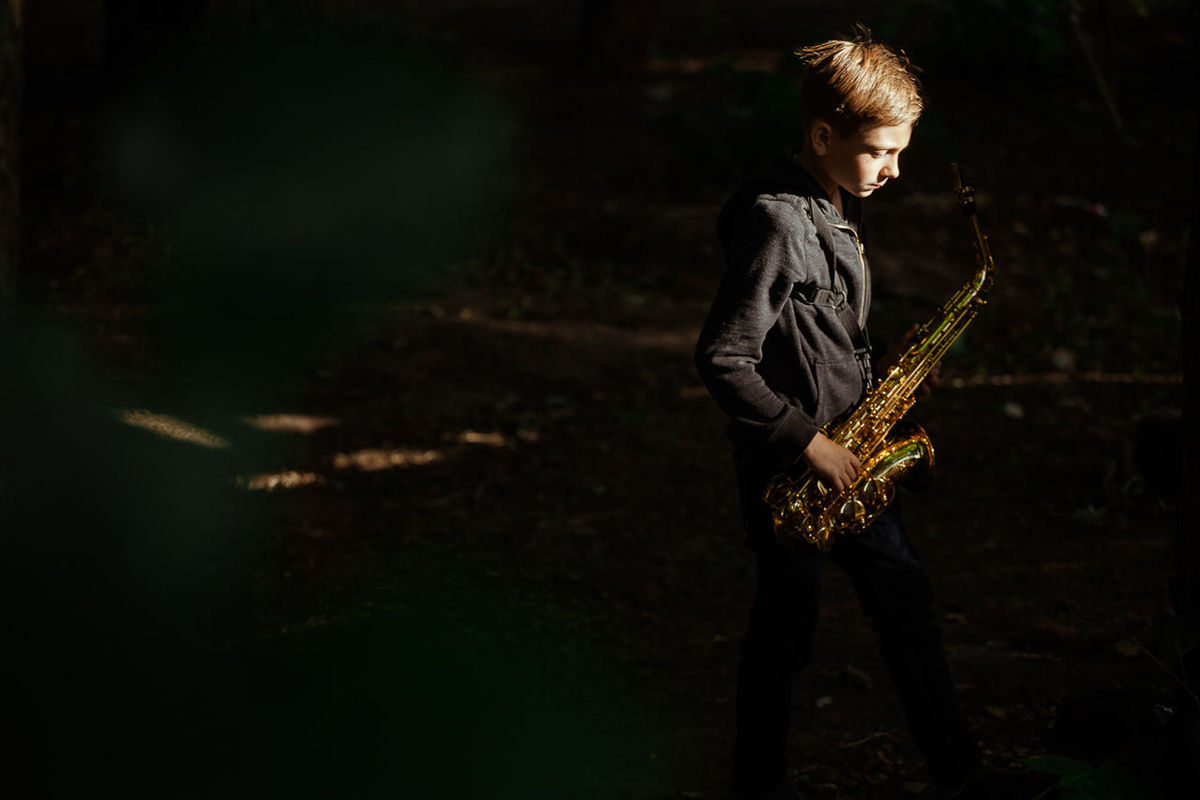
832	463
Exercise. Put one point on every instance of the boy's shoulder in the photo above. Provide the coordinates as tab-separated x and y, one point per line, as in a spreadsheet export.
783	195
780	180
778	197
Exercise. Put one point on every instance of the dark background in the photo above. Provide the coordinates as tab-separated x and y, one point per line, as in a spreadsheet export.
352	447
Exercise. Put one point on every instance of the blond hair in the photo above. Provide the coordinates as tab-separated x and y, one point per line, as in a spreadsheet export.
857	84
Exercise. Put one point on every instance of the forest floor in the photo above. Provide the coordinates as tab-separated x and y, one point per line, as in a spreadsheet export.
527	457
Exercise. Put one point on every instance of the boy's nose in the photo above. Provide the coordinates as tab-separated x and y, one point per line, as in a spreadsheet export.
891	169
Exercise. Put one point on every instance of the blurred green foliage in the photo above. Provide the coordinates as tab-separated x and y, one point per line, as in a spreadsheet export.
300	179
1083	781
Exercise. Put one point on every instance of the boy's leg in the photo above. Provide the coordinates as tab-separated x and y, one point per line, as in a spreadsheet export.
778	643
896	595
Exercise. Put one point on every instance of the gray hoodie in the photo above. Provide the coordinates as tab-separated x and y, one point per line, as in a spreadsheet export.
777	363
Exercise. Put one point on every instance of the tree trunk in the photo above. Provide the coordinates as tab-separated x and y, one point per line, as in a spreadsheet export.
11	78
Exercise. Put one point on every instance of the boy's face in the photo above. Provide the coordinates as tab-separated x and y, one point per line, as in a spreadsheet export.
861	162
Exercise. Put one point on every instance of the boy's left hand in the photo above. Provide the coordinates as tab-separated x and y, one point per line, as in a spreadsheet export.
931	380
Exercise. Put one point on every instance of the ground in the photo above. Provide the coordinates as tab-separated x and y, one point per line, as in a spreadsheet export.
524	460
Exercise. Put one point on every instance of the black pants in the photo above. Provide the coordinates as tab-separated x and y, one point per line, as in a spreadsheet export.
896	596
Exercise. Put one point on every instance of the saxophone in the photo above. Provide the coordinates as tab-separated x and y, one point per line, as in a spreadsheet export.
803	507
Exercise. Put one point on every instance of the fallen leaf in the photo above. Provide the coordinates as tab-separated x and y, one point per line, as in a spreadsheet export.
1128	647
859	677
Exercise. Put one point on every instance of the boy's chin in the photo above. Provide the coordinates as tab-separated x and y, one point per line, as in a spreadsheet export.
866	191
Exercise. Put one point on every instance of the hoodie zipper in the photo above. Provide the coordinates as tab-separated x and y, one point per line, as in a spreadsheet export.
862	263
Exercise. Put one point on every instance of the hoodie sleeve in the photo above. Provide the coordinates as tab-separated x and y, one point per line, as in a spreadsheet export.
765	257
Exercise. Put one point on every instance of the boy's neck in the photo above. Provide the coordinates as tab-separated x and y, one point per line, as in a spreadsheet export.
812	165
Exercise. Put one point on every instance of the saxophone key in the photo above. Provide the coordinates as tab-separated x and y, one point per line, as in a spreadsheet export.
852	512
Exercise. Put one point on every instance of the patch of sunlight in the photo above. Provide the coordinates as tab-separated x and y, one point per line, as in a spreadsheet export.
270	481
171	428
290	423
1055	378
373	459
672	339
490	438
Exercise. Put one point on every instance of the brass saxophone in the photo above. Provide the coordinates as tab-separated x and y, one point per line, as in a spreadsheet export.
803	507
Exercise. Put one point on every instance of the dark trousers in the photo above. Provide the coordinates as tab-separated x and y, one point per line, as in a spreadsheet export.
897	598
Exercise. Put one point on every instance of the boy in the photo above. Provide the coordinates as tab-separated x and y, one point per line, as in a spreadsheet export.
784	351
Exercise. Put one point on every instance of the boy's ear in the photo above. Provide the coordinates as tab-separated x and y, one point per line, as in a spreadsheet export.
819	136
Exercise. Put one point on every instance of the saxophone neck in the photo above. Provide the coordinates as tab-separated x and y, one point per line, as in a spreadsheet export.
982	282
963	190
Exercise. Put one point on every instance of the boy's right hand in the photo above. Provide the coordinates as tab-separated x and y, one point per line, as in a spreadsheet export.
832	463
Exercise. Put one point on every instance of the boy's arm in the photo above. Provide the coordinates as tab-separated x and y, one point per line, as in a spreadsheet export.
762	271
757	285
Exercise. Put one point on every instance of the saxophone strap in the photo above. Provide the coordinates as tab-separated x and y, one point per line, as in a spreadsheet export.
837	296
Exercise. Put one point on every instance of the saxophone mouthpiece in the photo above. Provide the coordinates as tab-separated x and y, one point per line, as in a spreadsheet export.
966	194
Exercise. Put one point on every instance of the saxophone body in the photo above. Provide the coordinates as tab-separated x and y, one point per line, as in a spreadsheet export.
891	450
